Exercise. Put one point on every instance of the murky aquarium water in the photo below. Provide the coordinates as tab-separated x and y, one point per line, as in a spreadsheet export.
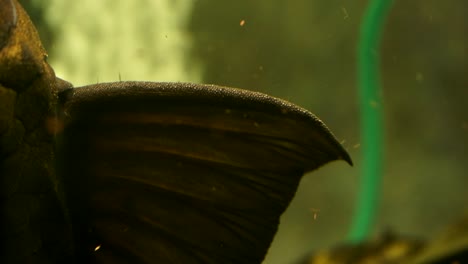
408	139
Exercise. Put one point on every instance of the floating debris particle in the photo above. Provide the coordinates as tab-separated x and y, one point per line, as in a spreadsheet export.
419	77
97	247
345	12
315	212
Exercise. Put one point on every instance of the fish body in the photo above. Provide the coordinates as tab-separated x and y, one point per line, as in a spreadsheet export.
34	226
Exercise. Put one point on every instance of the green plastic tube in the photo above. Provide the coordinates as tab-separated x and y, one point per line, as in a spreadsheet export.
371	118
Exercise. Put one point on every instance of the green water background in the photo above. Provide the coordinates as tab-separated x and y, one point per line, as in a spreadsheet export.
304	51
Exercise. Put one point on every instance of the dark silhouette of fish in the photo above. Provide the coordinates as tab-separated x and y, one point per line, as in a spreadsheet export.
139	172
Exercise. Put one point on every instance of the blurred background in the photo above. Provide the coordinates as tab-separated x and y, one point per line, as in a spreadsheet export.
302	51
